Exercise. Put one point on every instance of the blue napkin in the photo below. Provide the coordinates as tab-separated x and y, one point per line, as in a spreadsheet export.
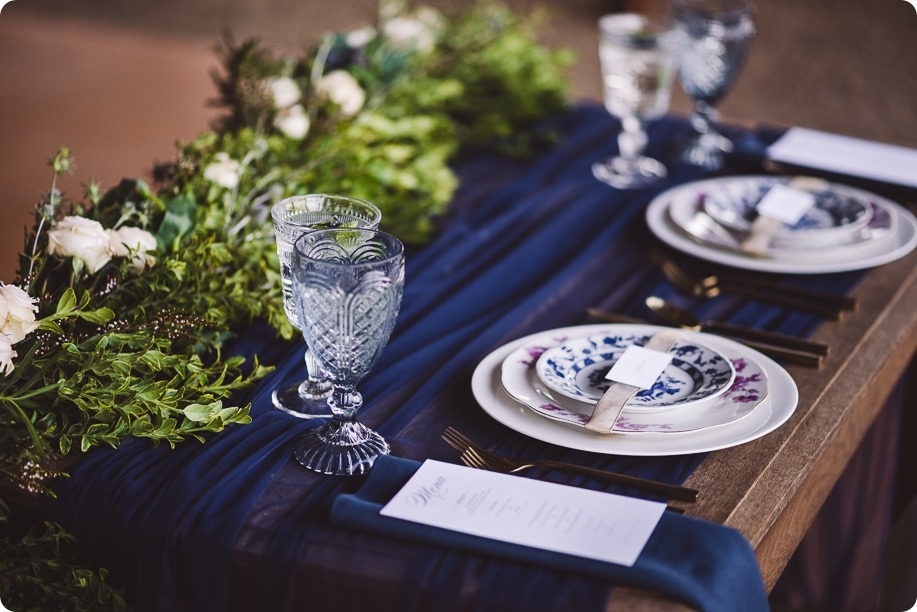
704	564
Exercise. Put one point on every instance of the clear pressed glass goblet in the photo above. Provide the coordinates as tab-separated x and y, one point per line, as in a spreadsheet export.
637	57
294	217
348	285
714	37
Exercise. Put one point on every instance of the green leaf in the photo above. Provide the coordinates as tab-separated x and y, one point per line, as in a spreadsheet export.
178	221
67	301
100	316
201	413
51	326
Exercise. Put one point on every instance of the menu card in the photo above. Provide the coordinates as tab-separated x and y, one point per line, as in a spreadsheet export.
535	513
846	155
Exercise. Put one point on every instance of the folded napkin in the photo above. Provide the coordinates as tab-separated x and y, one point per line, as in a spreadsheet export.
704	564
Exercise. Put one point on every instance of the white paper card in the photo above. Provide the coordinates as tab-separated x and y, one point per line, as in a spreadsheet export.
535	513
639	366
846	155
785	204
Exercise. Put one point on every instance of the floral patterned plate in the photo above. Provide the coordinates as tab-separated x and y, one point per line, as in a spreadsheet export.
577	370
747	391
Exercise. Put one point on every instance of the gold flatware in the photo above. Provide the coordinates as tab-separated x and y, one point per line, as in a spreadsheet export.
795	298
679	317
476	456
805	358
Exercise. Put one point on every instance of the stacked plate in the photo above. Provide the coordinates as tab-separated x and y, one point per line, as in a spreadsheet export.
845	229
715	393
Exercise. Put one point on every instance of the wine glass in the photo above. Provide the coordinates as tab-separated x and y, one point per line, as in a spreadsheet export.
714	38
294	217
637	57
348	285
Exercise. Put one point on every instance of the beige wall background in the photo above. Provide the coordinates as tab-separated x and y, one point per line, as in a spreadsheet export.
119	81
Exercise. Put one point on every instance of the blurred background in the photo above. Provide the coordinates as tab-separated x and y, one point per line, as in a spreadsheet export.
119	81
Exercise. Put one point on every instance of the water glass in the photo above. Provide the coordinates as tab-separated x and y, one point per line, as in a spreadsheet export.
714	37
348	285
637	56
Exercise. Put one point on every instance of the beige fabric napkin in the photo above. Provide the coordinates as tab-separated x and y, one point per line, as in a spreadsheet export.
610	406
763	229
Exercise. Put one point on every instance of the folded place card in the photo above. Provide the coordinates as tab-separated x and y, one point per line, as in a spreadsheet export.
543	515
846	155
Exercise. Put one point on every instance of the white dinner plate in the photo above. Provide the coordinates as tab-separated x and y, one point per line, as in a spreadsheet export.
747	391
770	414
899	240
577	370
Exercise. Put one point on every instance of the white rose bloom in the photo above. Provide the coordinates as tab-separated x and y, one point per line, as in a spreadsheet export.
293	122
418	31
224	171
17	313
135	243
81	238
360	38
285	91
6	355
342	89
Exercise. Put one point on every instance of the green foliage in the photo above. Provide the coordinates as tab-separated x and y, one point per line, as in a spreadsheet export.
130	345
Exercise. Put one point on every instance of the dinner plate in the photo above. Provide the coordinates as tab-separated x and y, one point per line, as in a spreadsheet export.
838	216
668	213
776	408
577	370
747	391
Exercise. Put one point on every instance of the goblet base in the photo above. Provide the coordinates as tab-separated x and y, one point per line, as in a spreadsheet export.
304	400
340	448
707	150
634	173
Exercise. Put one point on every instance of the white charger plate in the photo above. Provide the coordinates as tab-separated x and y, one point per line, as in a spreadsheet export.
577	370
891	245
771	413
747	391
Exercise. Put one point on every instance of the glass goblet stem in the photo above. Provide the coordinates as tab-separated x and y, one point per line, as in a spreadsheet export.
314	387
632	139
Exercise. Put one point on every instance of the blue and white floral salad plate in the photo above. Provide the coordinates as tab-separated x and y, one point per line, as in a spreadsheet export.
577	369
745	394
840	214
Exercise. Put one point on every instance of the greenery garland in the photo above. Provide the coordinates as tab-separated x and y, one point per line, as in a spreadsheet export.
116	323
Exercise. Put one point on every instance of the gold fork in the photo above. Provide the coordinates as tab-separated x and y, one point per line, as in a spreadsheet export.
474	455
797	298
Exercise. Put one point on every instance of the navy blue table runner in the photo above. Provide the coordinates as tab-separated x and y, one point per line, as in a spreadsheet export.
528	246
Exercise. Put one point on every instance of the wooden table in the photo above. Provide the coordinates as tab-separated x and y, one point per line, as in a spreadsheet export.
772	489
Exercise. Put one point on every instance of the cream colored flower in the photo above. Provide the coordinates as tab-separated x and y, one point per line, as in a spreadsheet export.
361	37
293	122
6	355
285	91
82	238
17	313
342	89
135	243
418	30
225	171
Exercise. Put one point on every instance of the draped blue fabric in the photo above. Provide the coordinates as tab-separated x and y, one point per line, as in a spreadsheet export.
528	245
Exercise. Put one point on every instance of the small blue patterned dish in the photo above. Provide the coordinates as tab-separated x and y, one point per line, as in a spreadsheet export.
577	370
838	217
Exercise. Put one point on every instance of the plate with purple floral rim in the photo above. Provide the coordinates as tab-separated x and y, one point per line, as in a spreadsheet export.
577	369
837	217
746	392
777	407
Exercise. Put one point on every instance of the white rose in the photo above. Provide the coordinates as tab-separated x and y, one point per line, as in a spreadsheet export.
342	89
81	238
285	91
360	38
224	171
17	313
6	355
418	31
293	122
135	243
